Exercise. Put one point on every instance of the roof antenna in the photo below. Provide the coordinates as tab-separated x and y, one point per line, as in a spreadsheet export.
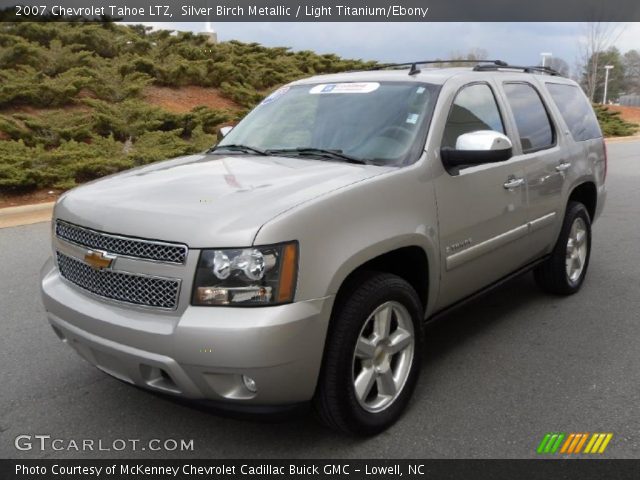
414	69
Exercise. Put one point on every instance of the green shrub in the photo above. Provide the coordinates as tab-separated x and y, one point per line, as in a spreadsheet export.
28	86
241	93
53	127
611	123
12	129
105	67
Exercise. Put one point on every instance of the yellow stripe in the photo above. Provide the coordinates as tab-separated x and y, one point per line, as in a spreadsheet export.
567	443
596	445
591	442
584	439
605	443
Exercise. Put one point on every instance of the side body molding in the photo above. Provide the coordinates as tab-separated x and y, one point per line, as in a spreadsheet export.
475	251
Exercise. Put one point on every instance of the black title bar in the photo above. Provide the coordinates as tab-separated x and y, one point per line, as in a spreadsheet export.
326	10
582	469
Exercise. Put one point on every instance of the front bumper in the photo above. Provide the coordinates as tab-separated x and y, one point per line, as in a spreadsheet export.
199	353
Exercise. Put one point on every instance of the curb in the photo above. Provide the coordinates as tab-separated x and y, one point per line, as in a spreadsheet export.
26	214
631	138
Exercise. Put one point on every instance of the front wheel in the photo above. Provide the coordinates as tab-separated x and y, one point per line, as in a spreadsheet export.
372	357
564	271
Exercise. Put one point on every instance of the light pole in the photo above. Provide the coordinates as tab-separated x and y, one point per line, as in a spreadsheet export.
544	56
606	82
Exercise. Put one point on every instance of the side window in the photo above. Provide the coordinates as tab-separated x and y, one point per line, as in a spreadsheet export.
576	111
532	119
473	109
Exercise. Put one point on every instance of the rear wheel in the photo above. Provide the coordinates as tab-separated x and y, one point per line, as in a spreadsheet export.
372	357
564	271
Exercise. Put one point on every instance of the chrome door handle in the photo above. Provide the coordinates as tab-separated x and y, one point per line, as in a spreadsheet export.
514	183
563	166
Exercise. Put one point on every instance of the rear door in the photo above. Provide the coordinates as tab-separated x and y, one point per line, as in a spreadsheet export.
545	158
580	130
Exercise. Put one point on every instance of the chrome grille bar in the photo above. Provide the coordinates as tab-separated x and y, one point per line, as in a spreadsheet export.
137	289
120	245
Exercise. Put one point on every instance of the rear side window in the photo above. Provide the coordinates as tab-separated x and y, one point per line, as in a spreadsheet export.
473	109
532	119
576	111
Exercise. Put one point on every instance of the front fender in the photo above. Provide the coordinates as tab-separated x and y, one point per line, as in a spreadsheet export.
344	229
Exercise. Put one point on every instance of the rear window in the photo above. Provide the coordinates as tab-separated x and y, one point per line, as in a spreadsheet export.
530	114
576	111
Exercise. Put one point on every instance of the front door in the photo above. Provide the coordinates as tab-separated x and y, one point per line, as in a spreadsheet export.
482	210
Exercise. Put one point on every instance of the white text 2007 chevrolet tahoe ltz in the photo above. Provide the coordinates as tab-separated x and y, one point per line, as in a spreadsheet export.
299	259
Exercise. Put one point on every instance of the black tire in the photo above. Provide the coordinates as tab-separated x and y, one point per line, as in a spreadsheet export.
551	276
335	400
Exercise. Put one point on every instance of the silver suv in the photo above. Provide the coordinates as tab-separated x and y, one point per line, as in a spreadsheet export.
300	258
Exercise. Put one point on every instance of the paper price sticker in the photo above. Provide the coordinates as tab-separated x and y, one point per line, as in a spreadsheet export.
330	88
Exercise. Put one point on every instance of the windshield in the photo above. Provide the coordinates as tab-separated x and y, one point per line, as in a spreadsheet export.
378	122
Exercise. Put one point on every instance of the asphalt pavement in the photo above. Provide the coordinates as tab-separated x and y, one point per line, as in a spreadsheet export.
498	373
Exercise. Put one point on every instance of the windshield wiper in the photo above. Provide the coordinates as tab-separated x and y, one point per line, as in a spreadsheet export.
238	148
320	152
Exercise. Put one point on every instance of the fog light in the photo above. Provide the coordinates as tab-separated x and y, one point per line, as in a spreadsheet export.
250	383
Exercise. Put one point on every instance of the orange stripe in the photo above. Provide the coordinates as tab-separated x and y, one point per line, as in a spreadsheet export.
575	442
584	439
567	442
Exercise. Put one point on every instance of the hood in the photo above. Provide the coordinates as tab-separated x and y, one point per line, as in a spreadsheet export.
205	200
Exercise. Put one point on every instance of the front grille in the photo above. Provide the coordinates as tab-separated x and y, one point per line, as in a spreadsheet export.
125	287
126	246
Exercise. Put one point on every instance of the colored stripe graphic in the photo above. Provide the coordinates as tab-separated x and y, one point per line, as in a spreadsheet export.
594	437
577	438
550	443
543	443
598	442
566	445
555	447
606	441
581	443
573	443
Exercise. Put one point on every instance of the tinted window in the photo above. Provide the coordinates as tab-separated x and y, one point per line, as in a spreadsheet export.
531	117
474	109
576	111
383	122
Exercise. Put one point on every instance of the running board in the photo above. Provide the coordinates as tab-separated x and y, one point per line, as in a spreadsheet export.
482	292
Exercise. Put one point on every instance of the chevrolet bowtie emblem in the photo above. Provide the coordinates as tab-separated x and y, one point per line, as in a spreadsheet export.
98	260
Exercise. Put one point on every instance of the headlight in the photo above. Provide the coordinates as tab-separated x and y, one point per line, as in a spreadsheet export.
247	276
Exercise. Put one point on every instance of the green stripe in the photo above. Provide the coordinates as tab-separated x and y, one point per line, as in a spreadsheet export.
550	443
543	443
557	445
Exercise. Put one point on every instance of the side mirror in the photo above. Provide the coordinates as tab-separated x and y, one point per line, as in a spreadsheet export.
477	148
223	131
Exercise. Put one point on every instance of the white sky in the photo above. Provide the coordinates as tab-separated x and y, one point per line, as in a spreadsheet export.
516	43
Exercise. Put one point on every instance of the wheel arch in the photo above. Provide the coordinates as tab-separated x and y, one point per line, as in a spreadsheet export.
586	193
410	262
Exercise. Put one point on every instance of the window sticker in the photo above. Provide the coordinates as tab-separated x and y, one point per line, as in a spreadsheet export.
363	87
275	95
420	90
412	118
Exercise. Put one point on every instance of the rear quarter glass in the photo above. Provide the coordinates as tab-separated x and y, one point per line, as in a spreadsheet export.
575	110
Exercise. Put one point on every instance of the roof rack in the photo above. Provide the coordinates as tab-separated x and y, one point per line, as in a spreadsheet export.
525	69
480	66
415	70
